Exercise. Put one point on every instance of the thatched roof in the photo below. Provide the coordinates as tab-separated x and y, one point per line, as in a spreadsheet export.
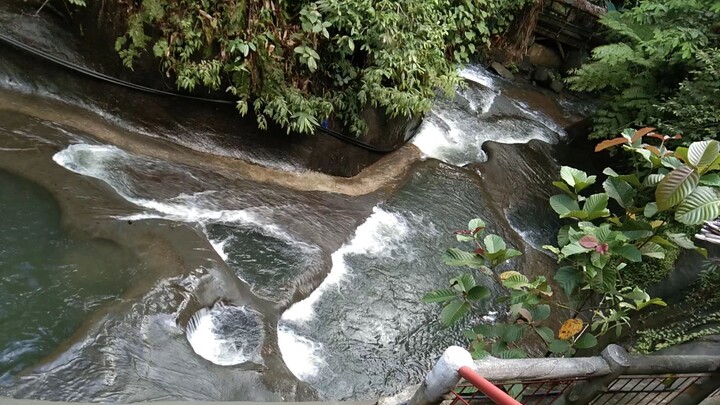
710	232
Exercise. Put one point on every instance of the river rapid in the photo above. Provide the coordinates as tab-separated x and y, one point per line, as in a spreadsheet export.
149	251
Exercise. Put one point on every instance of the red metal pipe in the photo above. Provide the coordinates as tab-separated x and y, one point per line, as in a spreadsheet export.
486	387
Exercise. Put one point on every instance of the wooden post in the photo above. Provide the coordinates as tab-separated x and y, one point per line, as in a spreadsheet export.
583	392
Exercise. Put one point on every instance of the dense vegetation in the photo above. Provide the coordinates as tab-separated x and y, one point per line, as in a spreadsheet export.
598	252
299	62
661	68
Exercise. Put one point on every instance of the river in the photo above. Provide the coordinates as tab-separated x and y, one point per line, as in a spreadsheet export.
148	253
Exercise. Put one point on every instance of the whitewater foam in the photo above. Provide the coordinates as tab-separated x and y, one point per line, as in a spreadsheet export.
96	161
226	335
374	237
302	356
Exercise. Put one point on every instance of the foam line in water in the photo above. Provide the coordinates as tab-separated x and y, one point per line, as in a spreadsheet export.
101	162
374	237
302	356
226	335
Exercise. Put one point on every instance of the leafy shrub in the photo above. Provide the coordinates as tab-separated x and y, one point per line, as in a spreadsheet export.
297	63
651	270
660	69
677	188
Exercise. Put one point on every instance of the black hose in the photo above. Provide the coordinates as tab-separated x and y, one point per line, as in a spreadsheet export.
110	79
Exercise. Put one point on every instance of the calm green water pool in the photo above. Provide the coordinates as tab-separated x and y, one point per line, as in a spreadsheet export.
49	281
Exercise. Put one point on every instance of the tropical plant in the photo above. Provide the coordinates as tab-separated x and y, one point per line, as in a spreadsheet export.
660	68
298	63
667	188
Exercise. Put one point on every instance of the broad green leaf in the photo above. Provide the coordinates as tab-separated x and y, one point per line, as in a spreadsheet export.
712	179
573	249
563	204
681	240
494	244
514	332
652	249
459	257
464	238
563	236
577	214
671	162
653	180
637	294
609	277
662	241
509	254
703	154
478	293
700	206
586	341
677	185
596	203
540	312
564	187
475	224
599	260
545	333
558	346
515	281
650	210
620	191
682	154
463	283
572	176
636	229
489	331
651	301
629	252
568	278
453	312
513	353
440	296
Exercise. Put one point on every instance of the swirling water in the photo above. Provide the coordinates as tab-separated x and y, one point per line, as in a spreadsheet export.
140	278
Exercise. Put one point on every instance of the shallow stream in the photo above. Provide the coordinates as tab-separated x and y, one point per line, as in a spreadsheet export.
141	260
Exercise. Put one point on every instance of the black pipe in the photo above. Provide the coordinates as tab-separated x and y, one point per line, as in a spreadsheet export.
110	79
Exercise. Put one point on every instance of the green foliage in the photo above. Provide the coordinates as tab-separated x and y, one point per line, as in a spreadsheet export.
661	69
651	270
689	328
603	264
298	63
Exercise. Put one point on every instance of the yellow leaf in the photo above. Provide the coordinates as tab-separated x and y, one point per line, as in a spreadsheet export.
506	275
656	224
570	328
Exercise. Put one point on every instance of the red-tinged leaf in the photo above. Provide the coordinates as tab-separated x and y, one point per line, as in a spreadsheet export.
655	151
602	248
609	144
676	136
588	242
479	251
478	229
642	132
658	136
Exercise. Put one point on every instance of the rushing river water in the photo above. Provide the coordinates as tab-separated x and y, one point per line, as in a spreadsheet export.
141	261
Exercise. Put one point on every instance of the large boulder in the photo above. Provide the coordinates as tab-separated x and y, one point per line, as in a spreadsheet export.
541	55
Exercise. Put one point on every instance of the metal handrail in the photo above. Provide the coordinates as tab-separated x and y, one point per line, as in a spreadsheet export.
486	387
